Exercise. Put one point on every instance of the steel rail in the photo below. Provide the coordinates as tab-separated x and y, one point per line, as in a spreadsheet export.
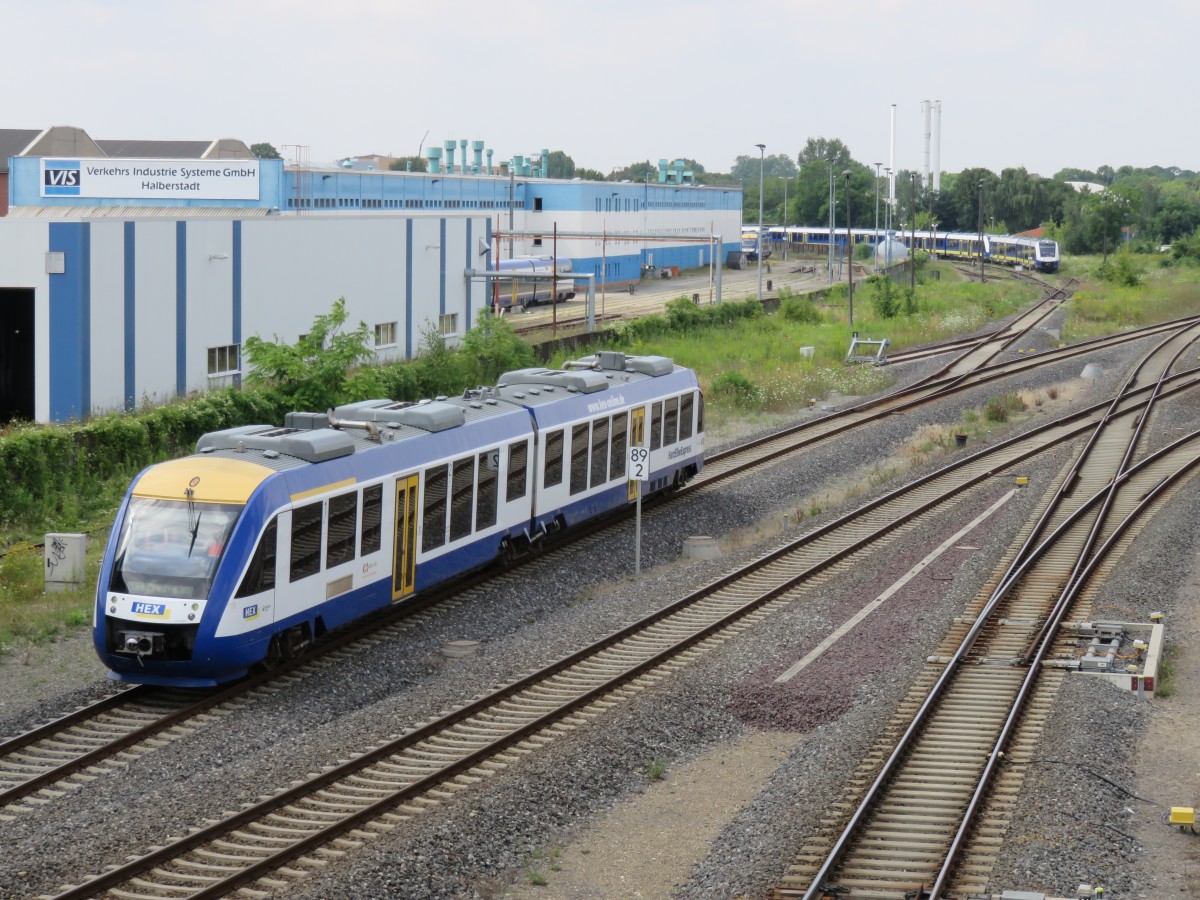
1045	644
109	879
1023	561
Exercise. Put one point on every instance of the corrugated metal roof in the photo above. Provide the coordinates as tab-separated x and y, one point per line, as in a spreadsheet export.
135	212
13	141
154	149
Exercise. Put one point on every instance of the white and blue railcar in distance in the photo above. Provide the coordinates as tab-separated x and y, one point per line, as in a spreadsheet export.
267	538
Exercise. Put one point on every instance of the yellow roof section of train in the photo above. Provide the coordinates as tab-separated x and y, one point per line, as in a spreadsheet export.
213	480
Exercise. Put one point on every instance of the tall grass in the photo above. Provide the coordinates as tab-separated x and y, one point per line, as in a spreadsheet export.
748	364
1100	307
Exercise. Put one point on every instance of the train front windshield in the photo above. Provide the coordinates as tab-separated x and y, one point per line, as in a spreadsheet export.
170	548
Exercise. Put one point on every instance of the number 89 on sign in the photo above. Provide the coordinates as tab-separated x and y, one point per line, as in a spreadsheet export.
638	464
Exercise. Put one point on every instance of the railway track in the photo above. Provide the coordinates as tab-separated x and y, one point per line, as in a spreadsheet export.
912	823
38	766
262	847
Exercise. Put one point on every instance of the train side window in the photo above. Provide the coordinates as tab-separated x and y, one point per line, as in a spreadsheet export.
372	520
518	459
699	413
306	540
656	416
599	468
618	451
485	496
579	457
433	525
671	421
343	523
686	402
462	498
554	458
260	575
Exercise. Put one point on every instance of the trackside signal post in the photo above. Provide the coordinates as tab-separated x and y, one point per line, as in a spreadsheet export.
638	467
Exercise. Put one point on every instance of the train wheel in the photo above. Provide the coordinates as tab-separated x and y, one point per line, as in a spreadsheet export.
275	655
507	553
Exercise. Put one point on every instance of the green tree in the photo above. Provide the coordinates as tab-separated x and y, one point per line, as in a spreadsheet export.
640	171
312	372
828	150
264	151
559	165
494	346
589	174
401	164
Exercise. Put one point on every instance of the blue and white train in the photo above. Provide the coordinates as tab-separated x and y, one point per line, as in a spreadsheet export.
1039	253
267	538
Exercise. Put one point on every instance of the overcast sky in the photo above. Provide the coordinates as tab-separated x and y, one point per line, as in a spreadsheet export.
1044	85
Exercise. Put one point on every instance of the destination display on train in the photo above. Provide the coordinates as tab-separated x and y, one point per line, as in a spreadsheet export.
151	179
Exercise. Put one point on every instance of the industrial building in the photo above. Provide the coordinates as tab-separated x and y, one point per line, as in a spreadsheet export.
131	271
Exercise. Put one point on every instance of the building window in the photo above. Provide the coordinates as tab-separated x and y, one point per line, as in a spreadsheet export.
448	324
223	360
537	204
385	334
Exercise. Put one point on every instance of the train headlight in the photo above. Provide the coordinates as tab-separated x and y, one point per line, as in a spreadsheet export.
191	616
195	606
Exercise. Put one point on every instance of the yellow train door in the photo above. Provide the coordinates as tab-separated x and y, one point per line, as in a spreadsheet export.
404	565
637	438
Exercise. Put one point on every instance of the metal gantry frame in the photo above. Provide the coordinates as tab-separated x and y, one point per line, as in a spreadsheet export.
605	236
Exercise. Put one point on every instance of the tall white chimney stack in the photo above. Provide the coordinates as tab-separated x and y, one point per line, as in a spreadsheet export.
892	162
925	110
937	145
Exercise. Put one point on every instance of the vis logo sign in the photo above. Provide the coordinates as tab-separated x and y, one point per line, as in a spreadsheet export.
158	610
61	178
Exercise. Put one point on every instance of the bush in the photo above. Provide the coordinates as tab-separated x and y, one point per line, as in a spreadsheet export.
736	388
800	310
1122	269
889	299
998	409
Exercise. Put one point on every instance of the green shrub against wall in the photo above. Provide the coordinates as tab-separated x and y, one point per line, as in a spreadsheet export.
60	471
60	475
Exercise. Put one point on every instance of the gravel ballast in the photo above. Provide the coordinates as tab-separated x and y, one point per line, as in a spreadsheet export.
486	839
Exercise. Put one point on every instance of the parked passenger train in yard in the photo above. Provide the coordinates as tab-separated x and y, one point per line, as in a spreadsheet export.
521	290
267	538
1039	253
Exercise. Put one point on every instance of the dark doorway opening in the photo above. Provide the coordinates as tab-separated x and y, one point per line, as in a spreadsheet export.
16	354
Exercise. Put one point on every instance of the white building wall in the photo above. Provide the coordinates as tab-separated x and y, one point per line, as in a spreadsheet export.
209	298
107	370
154	314
427	275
